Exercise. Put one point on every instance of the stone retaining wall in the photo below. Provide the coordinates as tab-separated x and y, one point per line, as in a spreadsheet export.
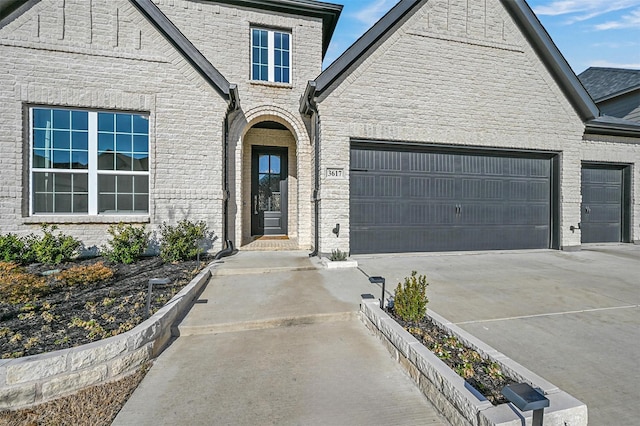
460	403
40	378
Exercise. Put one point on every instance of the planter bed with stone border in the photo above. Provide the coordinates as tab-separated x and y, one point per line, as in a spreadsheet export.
39	378
459	402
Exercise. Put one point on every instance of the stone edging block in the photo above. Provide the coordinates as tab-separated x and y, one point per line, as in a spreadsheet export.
339	264
451	395
39	378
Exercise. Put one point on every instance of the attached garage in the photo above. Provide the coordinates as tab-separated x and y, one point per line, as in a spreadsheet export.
606	200
424	198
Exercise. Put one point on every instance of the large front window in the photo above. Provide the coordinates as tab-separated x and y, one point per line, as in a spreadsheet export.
270	56
89	162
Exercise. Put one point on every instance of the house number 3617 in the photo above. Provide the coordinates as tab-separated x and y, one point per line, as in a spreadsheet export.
335	173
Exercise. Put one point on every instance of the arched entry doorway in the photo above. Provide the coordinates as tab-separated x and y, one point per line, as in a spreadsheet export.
269	183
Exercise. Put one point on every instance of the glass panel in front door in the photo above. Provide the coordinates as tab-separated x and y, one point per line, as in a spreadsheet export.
269	183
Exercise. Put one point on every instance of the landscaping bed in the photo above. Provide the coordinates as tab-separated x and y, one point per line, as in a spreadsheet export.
59	313
483	374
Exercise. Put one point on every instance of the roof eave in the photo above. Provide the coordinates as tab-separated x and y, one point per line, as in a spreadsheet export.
10	9
607	129
552	58
328	12
617	94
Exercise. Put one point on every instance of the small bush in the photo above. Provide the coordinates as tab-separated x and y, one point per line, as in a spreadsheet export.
180	242
82	275
12	248
127	243
338	255
17	286
410	301
52	249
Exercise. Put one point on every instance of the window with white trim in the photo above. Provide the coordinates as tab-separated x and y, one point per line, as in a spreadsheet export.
89	162
270	55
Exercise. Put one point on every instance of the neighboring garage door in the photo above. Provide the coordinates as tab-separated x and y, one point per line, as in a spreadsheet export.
605	204
412	200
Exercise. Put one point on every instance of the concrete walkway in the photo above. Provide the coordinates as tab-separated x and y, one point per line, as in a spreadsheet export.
274	340
570	317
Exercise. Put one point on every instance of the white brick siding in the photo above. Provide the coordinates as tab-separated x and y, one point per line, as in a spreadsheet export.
454	77
222	33
105	55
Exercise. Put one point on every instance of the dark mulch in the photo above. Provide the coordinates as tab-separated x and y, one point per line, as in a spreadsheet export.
69	316
484	375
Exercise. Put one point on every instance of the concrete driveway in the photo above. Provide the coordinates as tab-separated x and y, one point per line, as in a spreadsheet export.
571	317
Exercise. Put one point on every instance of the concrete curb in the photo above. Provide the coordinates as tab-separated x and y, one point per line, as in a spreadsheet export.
39	378
331	264
460	403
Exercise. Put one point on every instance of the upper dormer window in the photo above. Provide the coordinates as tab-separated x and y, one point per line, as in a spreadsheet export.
270	55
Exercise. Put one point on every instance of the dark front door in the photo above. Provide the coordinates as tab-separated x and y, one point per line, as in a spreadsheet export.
268	190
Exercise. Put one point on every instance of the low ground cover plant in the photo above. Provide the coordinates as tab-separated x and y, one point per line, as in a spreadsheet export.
338	255
409	308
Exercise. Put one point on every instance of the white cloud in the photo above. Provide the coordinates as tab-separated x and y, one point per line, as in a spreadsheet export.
609	64
373	11
586	9
630	20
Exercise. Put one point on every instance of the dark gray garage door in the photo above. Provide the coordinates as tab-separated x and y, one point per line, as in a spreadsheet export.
409	201
603	203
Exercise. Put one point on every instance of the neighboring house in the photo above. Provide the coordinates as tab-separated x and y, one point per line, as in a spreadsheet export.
616	91
450	125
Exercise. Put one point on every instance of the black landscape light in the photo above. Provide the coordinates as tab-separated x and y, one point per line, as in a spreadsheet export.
153	281
527	398
379	280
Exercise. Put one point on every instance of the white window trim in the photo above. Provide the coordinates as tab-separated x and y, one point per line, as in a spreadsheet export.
271	65
92	170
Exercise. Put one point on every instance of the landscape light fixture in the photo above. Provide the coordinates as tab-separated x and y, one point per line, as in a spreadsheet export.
527	398
379	280
153	281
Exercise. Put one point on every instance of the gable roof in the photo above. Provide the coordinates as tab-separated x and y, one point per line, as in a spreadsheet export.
532	29
10	9
522	14
606	83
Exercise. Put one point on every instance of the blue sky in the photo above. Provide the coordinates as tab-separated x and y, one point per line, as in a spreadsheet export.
603	33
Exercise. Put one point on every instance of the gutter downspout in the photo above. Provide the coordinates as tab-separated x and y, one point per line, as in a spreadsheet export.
310	108
234	105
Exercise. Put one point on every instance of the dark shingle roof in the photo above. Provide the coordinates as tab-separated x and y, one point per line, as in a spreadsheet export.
603	83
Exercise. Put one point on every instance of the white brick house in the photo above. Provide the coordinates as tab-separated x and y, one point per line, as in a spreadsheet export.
450	125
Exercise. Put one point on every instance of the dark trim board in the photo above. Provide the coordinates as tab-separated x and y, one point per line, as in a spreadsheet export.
411	198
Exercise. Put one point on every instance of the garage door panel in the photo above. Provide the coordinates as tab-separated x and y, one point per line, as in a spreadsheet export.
434	201
602	204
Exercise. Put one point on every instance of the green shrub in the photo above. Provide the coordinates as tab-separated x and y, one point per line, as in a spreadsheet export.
410	301
338	255
52	249
12	248
127	243
180	242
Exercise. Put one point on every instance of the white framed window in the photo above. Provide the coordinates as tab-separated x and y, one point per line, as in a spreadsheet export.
270	55
88	162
